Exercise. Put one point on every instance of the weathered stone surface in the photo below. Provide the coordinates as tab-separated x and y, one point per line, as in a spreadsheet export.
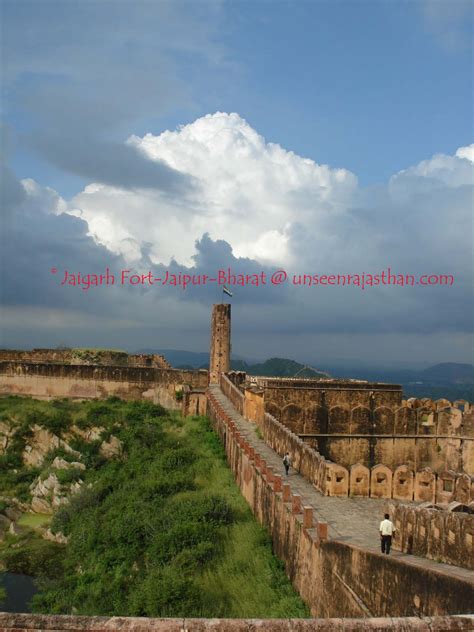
425	485
15	529
462	490
40	505
40	444
337	480
10	622
438	534
416	433
219	360
111	448
359	480
4	523
61	464
403	483
12	512
445	485
55	537
6	432
49	381
381	482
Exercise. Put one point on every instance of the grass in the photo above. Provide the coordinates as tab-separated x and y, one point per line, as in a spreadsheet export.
34	520
245	579
161	531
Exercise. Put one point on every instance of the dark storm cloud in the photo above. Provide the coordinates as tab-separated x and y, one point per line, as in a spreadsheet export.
81	77
35	240
111	163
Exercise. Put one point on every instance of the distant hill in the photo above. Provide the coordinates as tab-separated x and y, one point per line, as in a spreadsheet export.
448	380
450	372
451	380
277	367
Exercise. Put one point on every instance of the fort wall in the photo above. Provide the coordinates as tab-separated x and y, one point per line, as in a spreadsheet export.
335	579
48	381
355	422
445	536
12	622
380	481
97	357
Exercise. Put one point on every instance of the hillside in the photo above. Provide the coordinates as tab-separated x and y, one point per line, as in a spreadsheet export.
153	527
449	373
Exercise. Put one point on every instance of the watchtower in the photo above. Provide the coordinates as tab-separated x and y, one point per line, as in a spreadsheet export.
219	359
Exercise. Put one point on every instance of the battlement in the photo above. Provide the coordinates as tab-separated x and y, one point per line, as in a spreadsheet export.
321	383
435	532
95	357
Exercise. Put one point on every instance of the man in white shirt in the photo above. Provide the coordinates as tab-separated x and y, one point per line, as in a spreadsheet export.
387	529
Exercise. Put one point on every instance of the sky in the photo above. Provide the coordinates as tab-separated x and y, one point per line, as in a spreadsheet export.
319	138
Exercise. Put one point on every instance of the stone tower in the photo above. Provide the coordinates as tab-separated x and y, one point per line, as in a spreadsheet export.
219	359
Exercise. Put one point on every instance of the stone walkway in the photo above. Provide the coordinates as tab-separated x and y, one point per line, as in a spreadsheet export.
354	521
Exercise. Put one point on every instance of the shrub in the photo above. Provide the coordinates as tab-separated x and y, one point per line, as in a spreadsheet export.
58	452
65	477
55	421
90	452
88	498
35	557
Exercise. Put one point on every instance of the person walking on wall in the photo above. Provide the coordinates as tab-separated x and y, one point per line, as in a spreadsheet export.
387	529
287	462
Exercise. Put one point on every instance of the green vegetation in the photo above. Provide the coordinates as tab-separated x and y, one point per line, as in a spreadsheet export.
29	554
34	520
94	356
277	367
3	593
160	531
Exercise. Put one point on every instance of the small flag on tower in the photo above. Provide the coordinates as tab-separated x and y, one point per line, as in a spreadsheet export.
226	291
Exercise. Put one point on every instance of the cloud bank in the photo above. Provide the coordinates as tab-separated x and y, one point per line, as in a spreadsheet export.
253	206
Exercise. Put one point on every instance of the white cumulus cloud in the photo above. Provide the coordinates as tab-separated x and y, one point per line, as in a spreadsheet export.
252	193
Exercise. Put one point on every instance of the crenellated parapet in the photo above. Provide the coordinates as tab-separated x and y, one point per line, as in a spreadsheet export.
417	433
85	357
442	534
380	481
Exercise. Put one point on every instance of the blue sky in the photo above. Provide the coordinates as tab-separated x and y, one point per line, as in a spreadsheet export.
373	88
370	86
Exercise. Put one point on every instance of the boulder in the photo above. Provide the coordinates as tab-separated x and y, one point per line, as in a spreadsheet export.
4	523
13	513
58	501
111	448
41	443
40	505
61	464
15	529
88	434
44	488
55	537
6	432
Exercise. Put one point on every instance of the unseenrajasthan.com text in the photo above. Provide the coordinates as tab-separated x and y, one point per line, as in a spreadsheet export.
230	278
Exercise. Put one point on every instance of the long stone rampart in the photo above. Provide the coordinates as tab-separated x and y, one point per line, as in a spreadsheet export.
334	578
233	393
11	622
97	357
48	381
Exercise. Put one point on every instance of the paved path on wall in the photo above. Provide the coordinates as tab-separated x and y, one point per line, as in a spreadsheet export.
354	521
